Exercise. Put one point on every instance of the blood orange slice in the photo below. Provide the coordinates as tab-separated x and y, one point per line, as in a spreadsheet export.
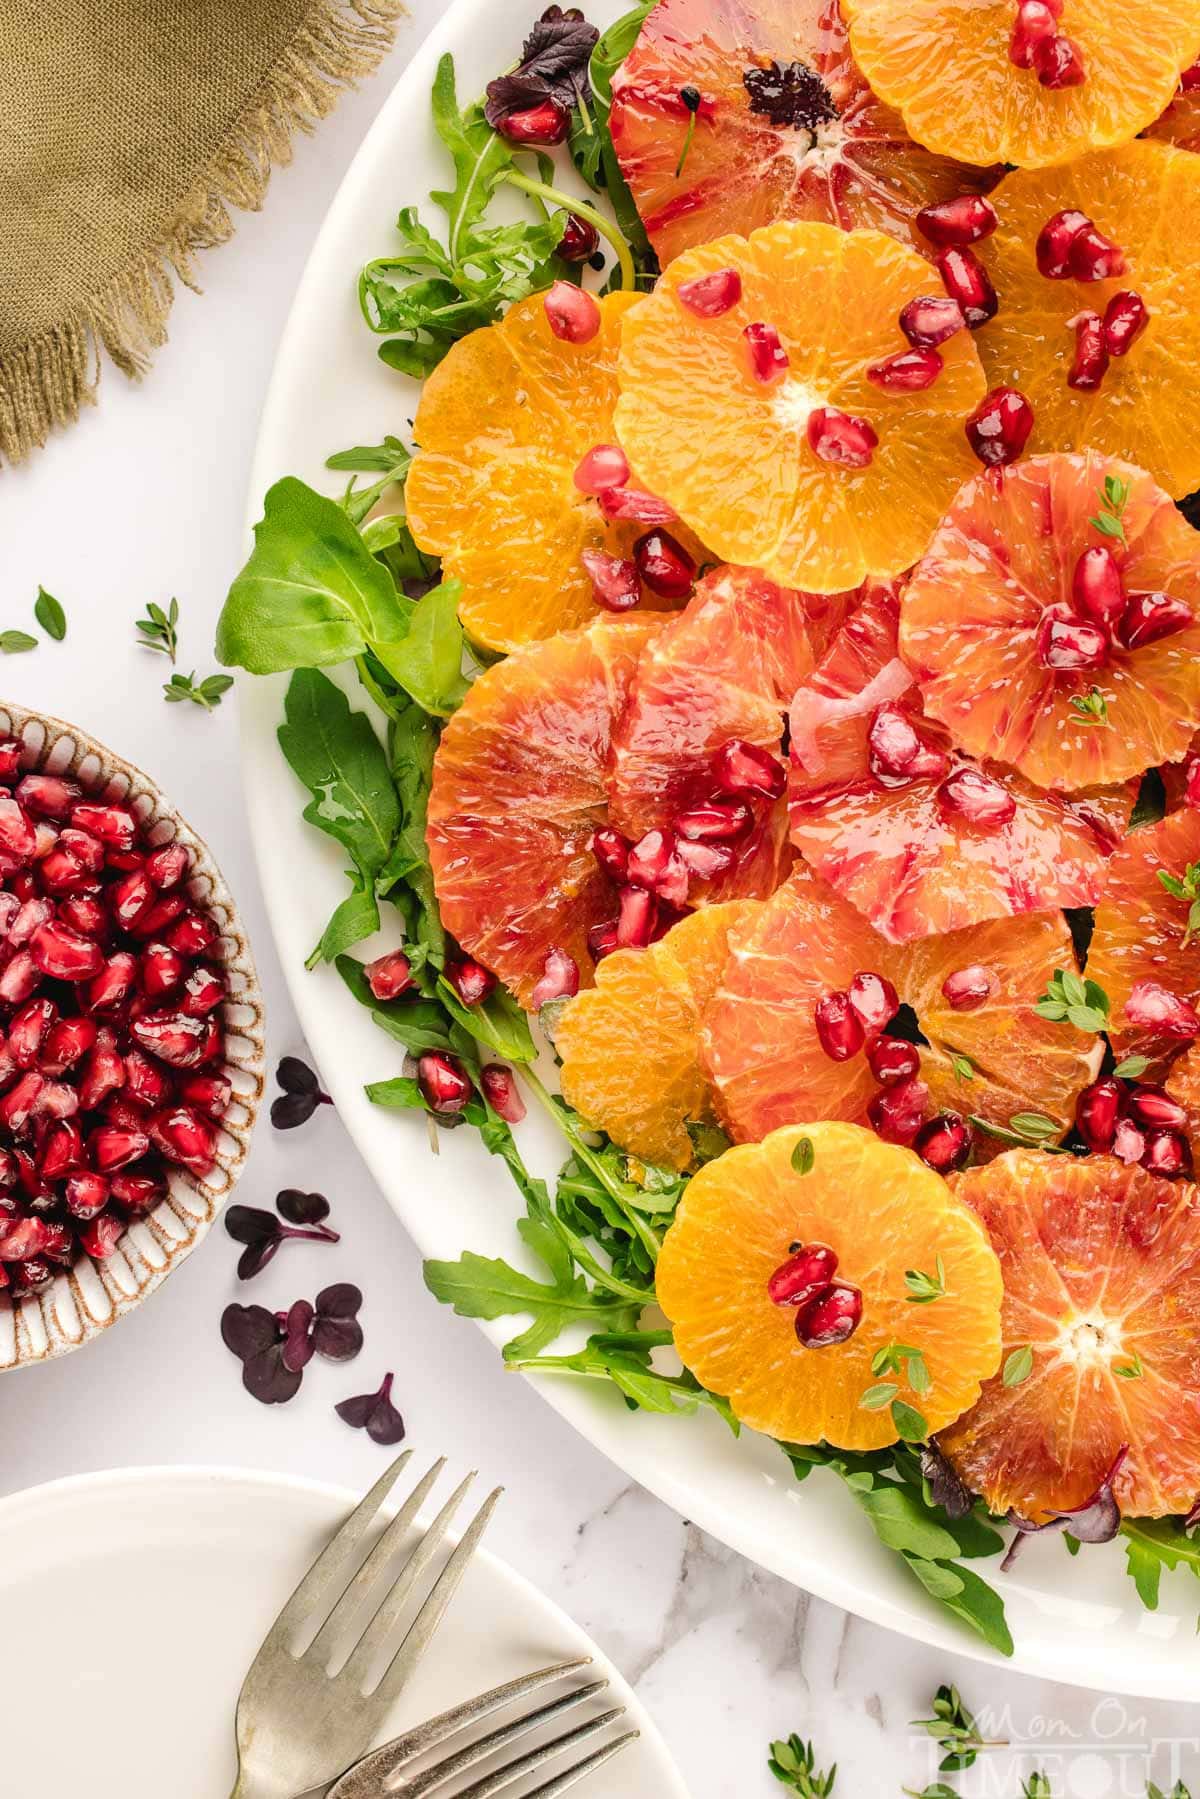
519	787
914	836
881	1212
1101	1267
724	670
1000	574
629	1046
1180	123
785	127
1142	932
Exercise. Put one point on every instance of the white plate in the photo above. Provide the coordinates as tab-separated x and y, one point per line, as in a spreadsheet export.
134	1602
1077	1621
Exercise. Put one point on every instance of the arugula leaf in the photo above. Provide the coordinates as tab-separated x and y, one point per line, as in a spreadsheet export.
378	459
418	1024
355	917
962	1592
1152	1544
624	1358
485	1287
499	1023
50	615
412	741
338	757
428	664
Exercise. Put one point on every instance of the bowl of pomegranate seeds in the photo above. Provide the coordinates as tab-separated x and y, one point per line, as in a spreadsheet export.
131	1038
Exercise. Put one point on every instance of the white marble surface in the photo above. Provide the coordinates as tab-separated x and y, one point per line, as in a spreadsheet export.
145	499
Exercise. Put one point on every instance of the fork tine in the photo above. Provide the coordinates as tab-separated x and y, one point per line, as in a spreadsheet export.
536	1758
457	1763
570	1776
416	1638
358	1589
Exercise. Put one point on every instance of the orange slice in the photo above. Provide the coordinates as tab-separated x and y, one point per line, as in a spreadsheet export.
946	68
731	452
1140	928
629	1048
972	615
881	1211
519	786
1101	1268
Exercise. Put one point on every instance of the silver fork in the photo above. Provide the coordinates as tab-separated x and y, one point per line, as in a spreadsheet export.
383	1771
298	1725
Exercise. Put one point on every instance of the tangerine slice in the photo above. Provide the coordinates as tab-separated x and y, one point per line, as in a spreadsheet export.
946	68
970	619
1140	928
786	127
730	452
725	668
519	786
890	843
629	1048
881	1211
1146	198
503	423
1101	1265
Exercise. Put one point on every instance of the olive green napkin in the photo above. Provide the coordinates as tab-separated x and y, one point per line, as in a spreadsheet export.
128	128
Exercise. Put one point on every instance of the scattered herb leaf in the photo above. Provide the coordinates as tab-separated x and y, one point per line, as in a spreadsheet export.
924	1288
1130	1370
1018	1366
159	629
803	1155
206	693
793	1762
1081	1002
964	1068
1091	708
374	1413
955	1731
1132	1068
50	615
15	643
1185	887
1111	505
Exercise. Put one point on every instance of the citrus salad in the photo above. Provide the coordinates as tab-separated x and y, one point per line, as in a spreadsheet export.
777	742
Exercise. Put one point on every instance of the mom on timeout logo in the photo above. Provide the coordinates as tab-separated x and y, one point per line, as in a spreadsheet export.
1117	1754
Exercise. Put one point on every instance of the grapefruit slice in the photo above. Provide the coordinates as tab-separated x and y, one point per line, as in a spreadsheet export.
947	70
503	423
974	618
943	843
1146	199
725	669
1141	929
629	1045
785	127
881	1212
1101	1267
731	452
519	786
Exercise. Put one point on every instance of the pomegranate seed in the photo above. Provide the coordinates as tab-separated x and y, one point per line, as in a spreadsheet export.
705	860
1068	644
767	356
875	1001
972	795
907	372
29	917
472	982
62	1149
22	1237
28	1030
929	320
49	795
103	1072
145	1081
615	582
664	565
131	898
19	979
46	836
715	822
29	1277
1091	355
1036	22
968	988
602	939
1167	1153
892	1060
67	1041
99	1238
1058	62
389	976
10	759
580	240
125	860
1151	616
892	743
137	1194
559	979
1152	1007
173	1037
1055	240
501	1092
114	983
162	969
61	1246
945	1143
209	1093
742	768
612	853
1189	81
968	282
203	992
115	826
964	220
10	905
840	438
654	863
193	934
1129	1145
444	1082
831	1317
807	1272
896	1113
18	839
572	314
839	1027
546	123
637	918
86	1193
183	1136
64	955
1097	587
999	427
161	915
84	913
1125	318
604	467
708	296
167	865
60	871
1152	1107
56	1100
618	503
114	1146
1192	790
1095	257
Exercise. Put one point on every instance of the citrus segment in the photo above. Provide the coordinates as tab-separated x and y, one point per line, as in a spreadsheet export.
1180	123
902	840
881	1212
731	452
975	613
946	68
629	1046
519	786
1101	1267
1141	928
785	127
725	669
1145	198
503	423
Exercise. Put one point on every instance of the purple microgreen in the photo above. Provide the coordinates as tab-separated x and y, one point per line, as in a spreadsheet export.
374	1413
302	1208
262	1233
247	1330
253	1335
945	1488
336	1332
1097	1520
553	66
302	1094
296	1325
